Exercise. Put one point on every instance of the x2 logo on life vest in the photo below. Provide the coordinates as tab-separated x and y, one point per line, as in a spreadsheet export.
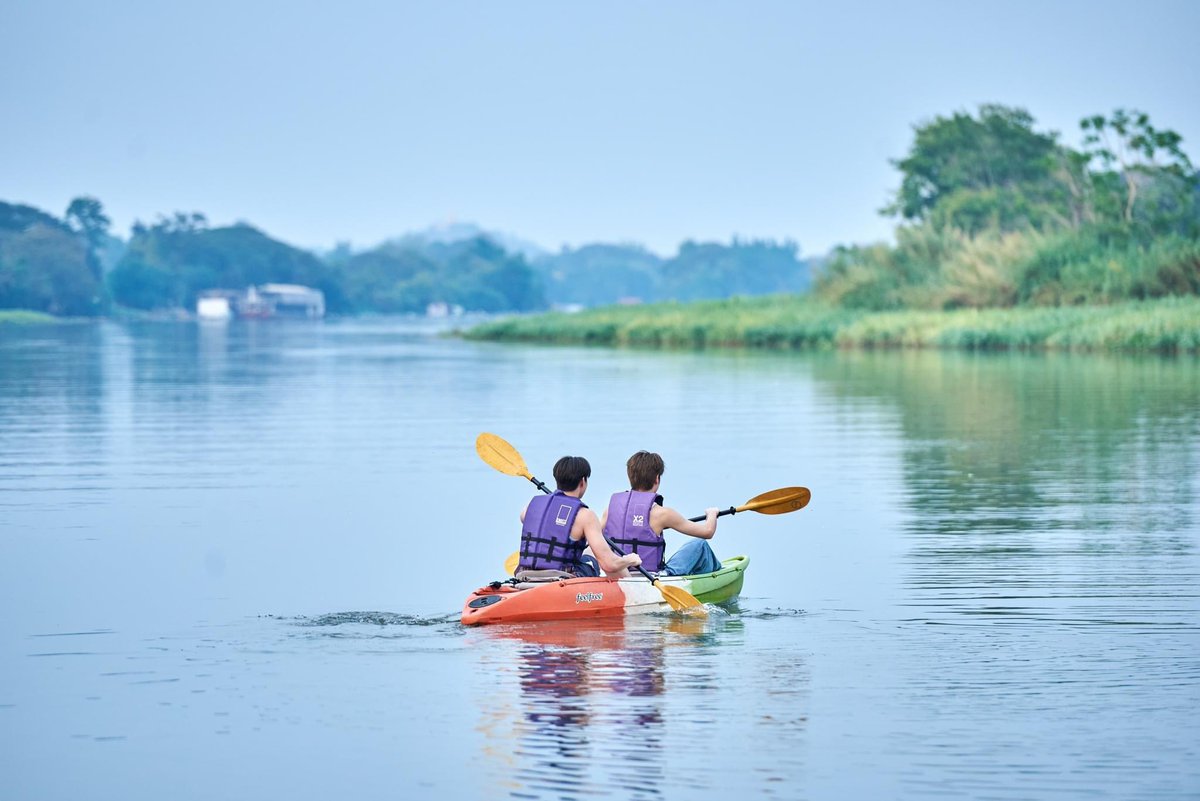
639	520
564	514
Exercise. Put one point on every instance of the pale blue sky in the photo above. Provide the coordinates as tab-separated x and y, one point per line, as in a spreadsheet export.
562	123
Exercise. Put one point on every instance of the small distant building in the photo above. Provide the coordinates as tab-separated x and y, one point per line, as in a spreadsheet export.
293	300
261	302
442	309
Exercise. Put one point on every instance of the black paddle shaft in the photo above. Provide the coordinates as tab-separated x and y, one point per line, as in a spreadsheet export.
732	510
619	552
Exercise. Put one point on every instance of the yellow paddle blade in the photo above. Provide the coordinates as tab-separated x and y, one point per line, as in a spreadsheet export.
680	599
778	502
510	564
500	455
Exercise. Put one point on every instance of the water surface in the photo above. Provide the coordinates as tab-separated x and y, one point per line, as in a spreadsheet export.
232	559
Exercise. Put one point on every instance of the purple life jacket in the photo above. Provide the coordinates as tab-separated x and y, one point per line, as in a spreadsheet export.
628	527
546	542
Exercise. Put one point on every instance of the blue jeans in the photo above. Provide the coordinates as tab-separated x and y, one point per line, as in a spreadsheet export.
588	566
696	556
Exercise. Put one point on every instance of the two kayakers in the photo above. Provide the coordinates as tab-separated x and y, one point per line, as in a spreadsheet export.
635	519
556	528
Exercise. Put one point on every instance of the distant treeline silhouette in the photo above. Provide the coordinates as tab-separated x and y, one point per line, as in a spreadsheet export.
991	213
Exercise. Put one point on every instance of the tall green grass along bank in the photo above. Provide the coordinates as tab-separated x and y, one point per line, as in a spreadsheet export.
24	316
1166	325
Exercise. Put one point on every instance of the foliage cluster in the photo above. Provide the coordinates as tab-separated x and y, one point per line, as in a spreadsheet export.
46	265
996	213
476	274
169	263
597	275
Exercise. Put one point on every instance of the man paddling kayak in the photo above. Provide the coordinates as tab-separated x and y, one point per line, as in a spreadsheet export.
556	528
635	519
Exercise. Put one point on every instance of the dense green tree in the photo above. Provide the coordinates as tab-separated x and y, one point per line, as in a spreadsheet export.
990	171
384	280
168	264
1146	163
86	217
712	270
44	266
1128	142
480	275
598	275
406	276
15	217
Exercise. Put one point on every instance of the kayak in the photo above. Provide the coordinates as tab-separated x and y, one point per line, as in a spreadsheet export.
588	598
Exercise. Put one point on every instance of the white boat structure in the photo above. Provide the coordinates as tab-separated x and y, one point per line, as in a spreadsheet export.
261	302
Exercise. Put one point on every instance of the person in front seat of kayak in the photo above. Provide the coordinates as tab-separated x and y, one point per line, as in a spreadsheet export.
556	528
635	519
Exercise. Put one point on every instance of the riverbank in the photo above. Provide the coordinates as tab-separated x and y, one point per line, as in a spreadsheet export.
1168	325
25	317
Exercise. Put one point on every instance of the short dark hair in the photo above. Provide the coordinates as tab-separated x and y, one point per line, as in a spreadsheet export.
644	468
570	470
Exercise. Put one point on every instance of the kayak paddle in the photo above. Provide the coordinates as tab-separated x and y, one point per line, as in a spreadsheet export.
505	458
776	502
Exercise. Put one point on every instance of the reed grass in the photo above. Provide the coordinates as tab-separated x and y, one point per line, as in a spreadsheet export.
1167	325
25	317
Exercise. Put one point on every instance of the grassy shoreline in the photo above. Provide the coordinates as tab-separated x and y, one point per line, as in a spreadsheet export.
1167	325
26	317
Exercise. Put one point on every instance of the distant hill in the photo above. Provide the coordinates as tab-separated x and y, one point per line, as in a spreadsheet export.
450	233
601	275
407	275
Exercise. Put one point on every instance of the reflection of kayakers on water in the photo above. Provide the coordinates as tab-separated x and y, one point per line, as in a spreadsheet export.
635	519
556	528
564	718
565	664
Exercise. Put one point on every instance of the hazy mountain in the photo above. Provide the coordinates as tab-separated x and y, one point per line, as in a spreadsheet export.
453	232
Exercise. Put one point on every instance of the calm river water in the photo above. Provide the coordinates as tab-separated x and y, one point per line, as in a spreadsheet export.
232	560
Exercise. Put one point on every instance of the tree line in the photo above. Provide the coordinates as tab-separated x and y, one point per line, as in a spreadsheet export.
75	266
991	212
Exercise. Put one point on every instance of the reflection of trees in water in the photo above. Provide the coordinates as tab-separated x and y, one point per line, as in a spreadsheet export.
1001	443
53	406
1042	487
52	371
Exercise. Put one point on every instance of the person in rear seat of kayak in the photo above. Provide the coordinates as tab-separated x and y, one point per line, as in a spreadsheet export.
635	519
556	528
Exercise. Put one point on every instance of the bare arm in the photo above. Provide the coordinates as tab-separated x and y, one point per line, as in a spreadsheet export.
669	518
610	563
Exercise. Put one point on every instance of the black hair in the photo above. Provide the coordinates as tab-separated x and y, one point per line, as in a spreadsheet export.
570	470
